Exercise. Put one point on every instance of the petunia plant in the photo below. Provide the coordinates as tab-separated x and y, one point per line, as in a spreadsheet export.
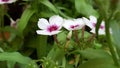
59	33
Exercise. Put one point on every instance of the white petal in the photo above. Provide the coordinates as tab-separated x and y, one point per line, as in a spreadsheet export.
80	22
43	23
67	24
110	31
103	23
87	22
44	32
100	32
93	31
10	1
2	2
93	19
56	19
55	32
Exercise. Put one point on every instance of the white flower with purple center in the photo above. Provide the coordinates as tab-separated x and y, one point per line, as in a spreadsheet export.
92	24
6	1
50	28
101	30
73	24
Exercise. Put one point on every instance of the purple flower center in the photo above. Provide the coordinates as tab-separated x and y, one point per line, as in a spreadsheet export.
5	0
94	24
73	26
101	26
52	28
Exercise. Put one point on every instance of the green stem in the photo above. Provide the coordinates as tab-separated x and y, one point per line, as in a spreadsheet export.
112	49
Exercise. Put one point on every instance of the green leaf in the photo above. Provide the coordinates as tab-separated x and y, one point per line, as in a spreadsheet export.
94	53
62	36
10	64
104	6
24	20
49	5
84	8
32	65
41	46
116	33
98	63
13	32
46	14
56	53
15	57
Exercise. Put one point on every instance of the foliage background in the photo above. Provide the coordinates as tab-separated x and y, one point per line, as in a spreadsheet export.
22	47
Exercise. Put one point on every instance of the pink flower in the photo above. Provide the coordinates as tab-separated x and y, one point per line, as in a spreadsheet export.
6	1
74	24
50	28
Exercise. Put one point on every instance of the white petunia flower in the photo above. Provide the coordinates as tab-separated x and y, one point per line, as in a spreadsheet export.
74	24
50	28
7	1
101	30
91	22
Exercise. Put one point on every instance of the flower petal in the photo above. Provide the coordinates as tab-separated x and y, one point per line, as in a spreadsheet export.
100	31
54	32
45	32
80	22
93	19
103	23
87	22
67	24
56	19
10	1
43	23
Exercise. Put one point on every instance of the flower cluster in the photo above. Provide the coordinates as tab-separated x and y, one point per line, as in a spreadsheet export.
56	22
6	1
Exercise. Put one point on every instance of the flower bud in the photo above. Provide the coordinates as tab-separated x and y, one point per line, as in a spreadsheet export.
69	35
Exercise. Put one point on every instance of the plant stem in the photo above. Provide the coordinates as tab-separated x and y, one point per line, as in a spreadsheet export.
76	36
83	29
112	49
91	38
55	38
